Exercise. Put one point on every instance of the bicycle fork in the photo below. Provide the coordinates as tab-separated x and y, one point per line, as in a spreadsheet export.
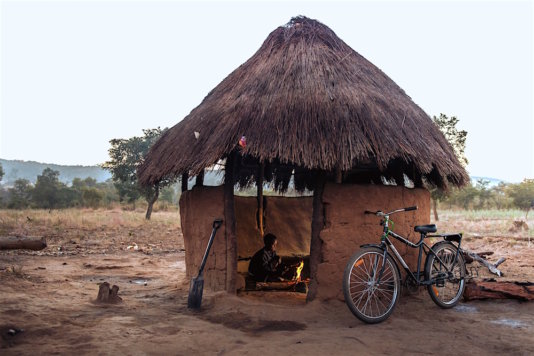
384	246
384	256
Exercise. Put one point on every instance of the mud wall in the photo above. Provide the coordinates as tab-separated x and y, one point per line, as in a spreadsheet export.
346	227
198	208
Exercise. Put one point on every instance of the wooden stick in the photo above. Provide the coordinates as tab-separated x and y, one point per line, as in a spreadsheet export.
229	222
499	261
317	225
259	183
339	175
22	243
199	182
471	256
185	178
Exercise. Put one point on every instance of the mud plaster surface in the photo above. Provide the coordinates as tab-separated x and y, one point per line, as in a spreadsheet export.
346	228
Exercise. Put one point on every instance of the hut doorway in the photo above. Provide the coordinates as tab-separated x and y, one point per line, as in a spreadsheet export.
288	218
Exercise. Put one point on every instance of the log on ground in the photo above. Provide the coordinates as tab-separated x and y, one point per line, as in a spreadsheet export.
499	290
22	243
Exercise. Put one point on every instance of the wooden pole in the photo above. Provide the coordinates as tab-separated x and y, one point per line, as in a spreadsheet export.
229	221
339	175
185	178
317	226
199	182
259	183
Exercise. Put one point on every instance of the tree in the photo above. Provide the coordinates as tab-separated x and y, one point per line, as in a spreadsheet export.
87	192
457	139
522	195
1	172
465	197
500	196
92	197
46	193
168	194
126	155
109	192
50	193
484	193
20	194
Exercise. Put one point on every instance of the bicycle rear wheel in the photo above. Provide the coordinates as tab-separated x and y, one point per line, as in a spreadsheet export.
368	300
448	288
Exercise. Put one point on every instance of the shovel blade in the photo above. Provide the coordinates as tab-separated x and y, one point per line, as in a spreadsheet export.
196	287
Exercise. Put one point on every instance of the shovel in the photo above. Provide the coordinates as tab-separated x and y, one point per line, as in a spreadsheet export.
197	283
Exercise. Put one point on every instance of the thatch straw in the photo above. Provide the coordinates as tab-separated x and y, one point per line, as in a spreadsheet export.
306	99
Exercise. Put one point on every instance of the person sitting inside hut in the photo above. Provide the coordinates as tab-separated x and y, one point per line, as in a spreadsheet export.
266	265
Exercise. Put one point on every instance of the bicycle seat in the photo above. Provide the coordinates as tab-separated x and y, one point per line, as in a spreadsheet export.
425	229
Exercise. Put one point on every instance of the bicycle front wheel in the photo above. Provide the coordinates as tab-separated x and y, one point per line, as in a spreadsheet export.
370	300
448	276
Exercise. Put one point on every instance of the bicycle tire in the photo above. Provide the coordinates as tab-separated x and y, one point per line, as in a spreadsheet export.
359	287
449	294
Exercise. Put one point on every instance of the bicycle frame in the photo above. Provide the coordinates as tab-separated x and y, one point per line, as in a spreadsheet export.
421	245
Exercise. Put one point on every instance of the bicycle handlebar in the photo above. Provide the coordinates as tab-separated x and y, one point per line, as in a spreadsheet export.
380	213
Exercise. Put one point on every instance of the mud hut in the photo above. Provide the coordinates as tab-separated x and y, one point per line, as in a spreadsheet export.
317	114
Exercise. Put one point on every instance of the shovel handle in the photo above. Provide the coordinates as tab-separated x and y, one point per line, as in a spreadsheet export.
217	223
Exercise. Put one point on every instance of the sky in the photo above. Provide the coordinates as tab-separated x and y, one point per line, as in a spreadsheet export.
76	74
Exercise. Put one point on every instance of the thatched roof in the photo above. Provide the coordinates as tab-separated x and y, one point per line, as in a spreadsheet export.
307	101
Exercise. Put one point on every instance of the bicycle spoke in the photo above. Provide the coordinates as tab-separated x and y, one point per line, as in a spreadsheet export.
385	306
366	302
353	274
365	268
376	299
361	297
386	297
387	274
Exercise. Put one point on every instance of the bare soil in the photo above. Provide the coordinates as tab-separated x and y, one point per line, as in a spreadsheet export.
51	295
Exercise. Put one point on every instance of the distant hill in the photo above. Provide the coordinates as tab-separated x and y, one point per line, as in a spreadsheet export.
15	169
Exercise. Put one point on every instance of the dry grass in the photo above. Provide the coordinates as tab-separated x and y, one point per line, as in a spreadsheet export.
485	223
72	231
12	220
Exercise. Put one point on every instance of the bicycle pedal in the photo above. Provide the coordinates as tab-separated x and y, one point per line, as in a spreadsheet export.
440	283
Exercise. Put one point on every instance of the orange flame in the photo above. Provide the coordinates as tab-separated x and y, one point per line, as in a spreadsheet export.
299	269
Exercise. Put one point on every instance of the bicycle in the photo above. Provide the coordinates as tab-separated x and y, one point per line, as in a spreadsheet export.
372	282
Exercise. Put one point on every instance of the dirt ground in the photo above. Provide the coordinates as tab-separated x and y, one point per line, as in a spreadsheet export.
50	295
